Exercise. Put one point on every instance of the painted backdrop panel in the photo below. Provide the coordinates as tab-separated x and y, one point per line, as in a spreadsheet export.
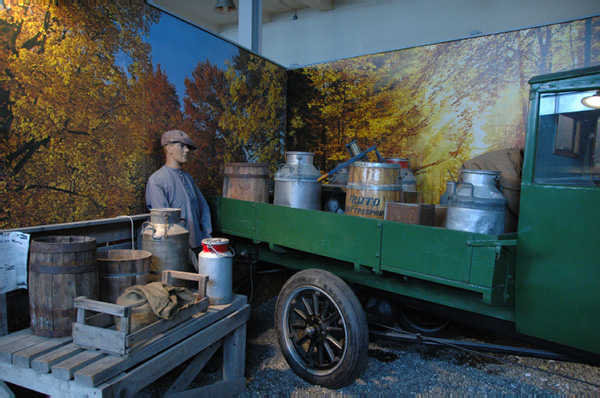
437	105
87	91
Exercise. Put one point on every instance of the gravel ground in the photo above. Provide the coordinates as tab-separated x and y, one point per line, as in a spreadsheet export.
407	369
396	369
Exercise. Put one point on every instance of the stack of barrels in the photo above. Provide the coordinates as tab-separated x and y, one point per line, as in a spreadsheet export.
62	268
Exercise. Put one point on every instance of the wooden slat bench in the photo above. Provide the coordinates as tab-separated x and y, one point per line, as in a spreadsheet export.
60	368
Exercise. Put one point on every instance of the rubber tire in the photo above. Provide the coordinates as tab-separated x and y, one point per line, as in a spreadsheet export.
425	324
352	358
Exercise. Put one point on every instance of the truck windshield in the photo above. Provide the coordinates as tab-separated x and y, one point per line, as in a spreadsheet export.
568	141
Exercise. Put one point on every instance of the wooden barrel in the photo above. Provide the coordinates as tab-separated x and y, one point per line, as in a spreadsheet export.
246	181
120	269
61	268
370	187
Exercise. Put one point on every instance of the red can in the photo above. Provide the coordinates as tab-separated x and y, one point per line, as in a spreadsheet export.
404	163
219	245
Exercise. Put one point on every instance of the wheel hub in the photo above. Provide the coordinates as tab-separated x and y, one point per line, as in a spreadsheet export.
315	329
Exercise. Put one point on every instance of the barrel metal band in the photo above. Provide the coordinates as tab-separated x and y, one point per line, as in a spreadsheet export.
374	187
59	248
113	276
74	269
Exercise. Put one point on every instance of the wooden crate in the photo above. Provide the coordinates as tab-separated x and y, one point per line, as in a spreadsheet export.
410	213
440	215
97	332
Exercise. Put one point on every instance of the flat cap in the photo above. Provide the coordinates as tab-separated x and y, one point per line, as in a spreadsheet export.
174	136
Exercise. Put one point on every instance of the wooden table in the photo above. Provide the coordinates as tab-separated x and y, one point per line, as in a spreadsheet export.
57	367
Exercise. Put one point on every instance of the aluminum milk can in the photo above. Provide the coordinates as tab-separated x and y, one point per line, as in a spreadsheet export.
477	204
341	177
445	197
408	180
296	182
216	261
168	241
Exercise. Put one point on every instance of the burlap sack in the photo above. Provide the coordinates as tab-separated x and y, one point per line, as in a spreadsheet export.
510	163
152	302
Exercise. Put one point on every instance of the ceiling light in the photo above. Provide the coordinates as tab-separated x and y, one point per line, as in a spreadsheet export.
224	7
592	101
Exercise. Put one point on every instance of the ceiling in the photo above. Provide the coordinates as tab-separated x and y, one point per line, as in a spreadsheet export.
297	33
201	12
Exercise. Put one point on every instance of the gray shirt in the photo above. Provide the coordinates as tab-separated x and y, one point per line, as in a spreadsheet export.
175	188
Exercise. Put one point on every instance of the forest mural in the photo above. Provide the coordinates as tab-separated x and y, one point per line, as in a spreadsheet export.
436	105
86	92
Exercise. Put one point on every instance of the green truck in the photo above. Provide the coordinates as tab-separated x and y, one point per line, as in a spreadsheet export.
541	282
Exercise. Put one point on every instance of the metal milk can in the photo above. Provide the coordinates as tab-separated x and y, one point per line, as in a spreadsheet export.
296	182
445	197
341	177
168	241
216	261
408	180
477	203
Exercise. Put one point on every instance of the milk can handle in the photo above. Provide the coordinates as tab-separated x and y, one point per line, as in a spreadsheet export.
212	249
149	224
464	183
498	181
284	165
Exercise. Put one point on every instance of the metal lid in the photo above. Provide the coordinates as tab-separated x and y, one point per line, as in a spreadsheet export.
480	172
378	165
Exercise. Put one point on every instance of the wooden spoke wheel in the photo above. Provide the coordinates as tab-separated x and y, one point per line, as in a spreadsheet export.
322	329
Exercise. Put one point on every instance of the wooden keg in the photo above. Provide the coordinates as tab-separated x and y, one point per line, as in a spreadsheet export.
370	187
61	268
246	181
120	269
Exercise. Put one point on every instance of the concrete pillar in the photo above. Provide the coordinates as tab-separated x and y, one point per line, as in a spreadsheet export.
250	25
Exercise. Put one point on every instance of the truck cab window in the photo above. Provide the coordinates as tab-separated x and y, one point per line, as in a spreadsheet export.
568	142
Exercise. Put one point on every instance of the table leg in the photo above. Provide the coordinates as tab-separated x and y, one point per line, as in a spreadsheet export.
5	391
191	371
234	354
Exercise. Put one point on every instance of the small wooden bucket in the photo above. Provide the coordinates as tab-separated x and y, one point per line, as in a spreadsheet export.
246	181
61	268
370	187
120	269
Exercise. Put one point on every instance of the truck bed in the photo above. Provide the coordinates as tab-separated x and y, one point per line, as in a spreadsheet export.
474	271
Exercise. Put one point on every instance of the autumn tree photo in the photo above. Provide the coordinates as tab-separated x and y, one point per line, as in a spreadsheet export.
235	115
438	105
72	137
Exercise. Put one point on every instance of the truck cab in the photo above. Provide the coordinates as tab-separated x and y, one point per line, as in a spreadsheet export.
558	251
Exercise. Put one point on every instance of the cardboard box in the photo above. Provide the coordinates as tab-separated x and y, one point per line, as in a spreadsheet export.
410	213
